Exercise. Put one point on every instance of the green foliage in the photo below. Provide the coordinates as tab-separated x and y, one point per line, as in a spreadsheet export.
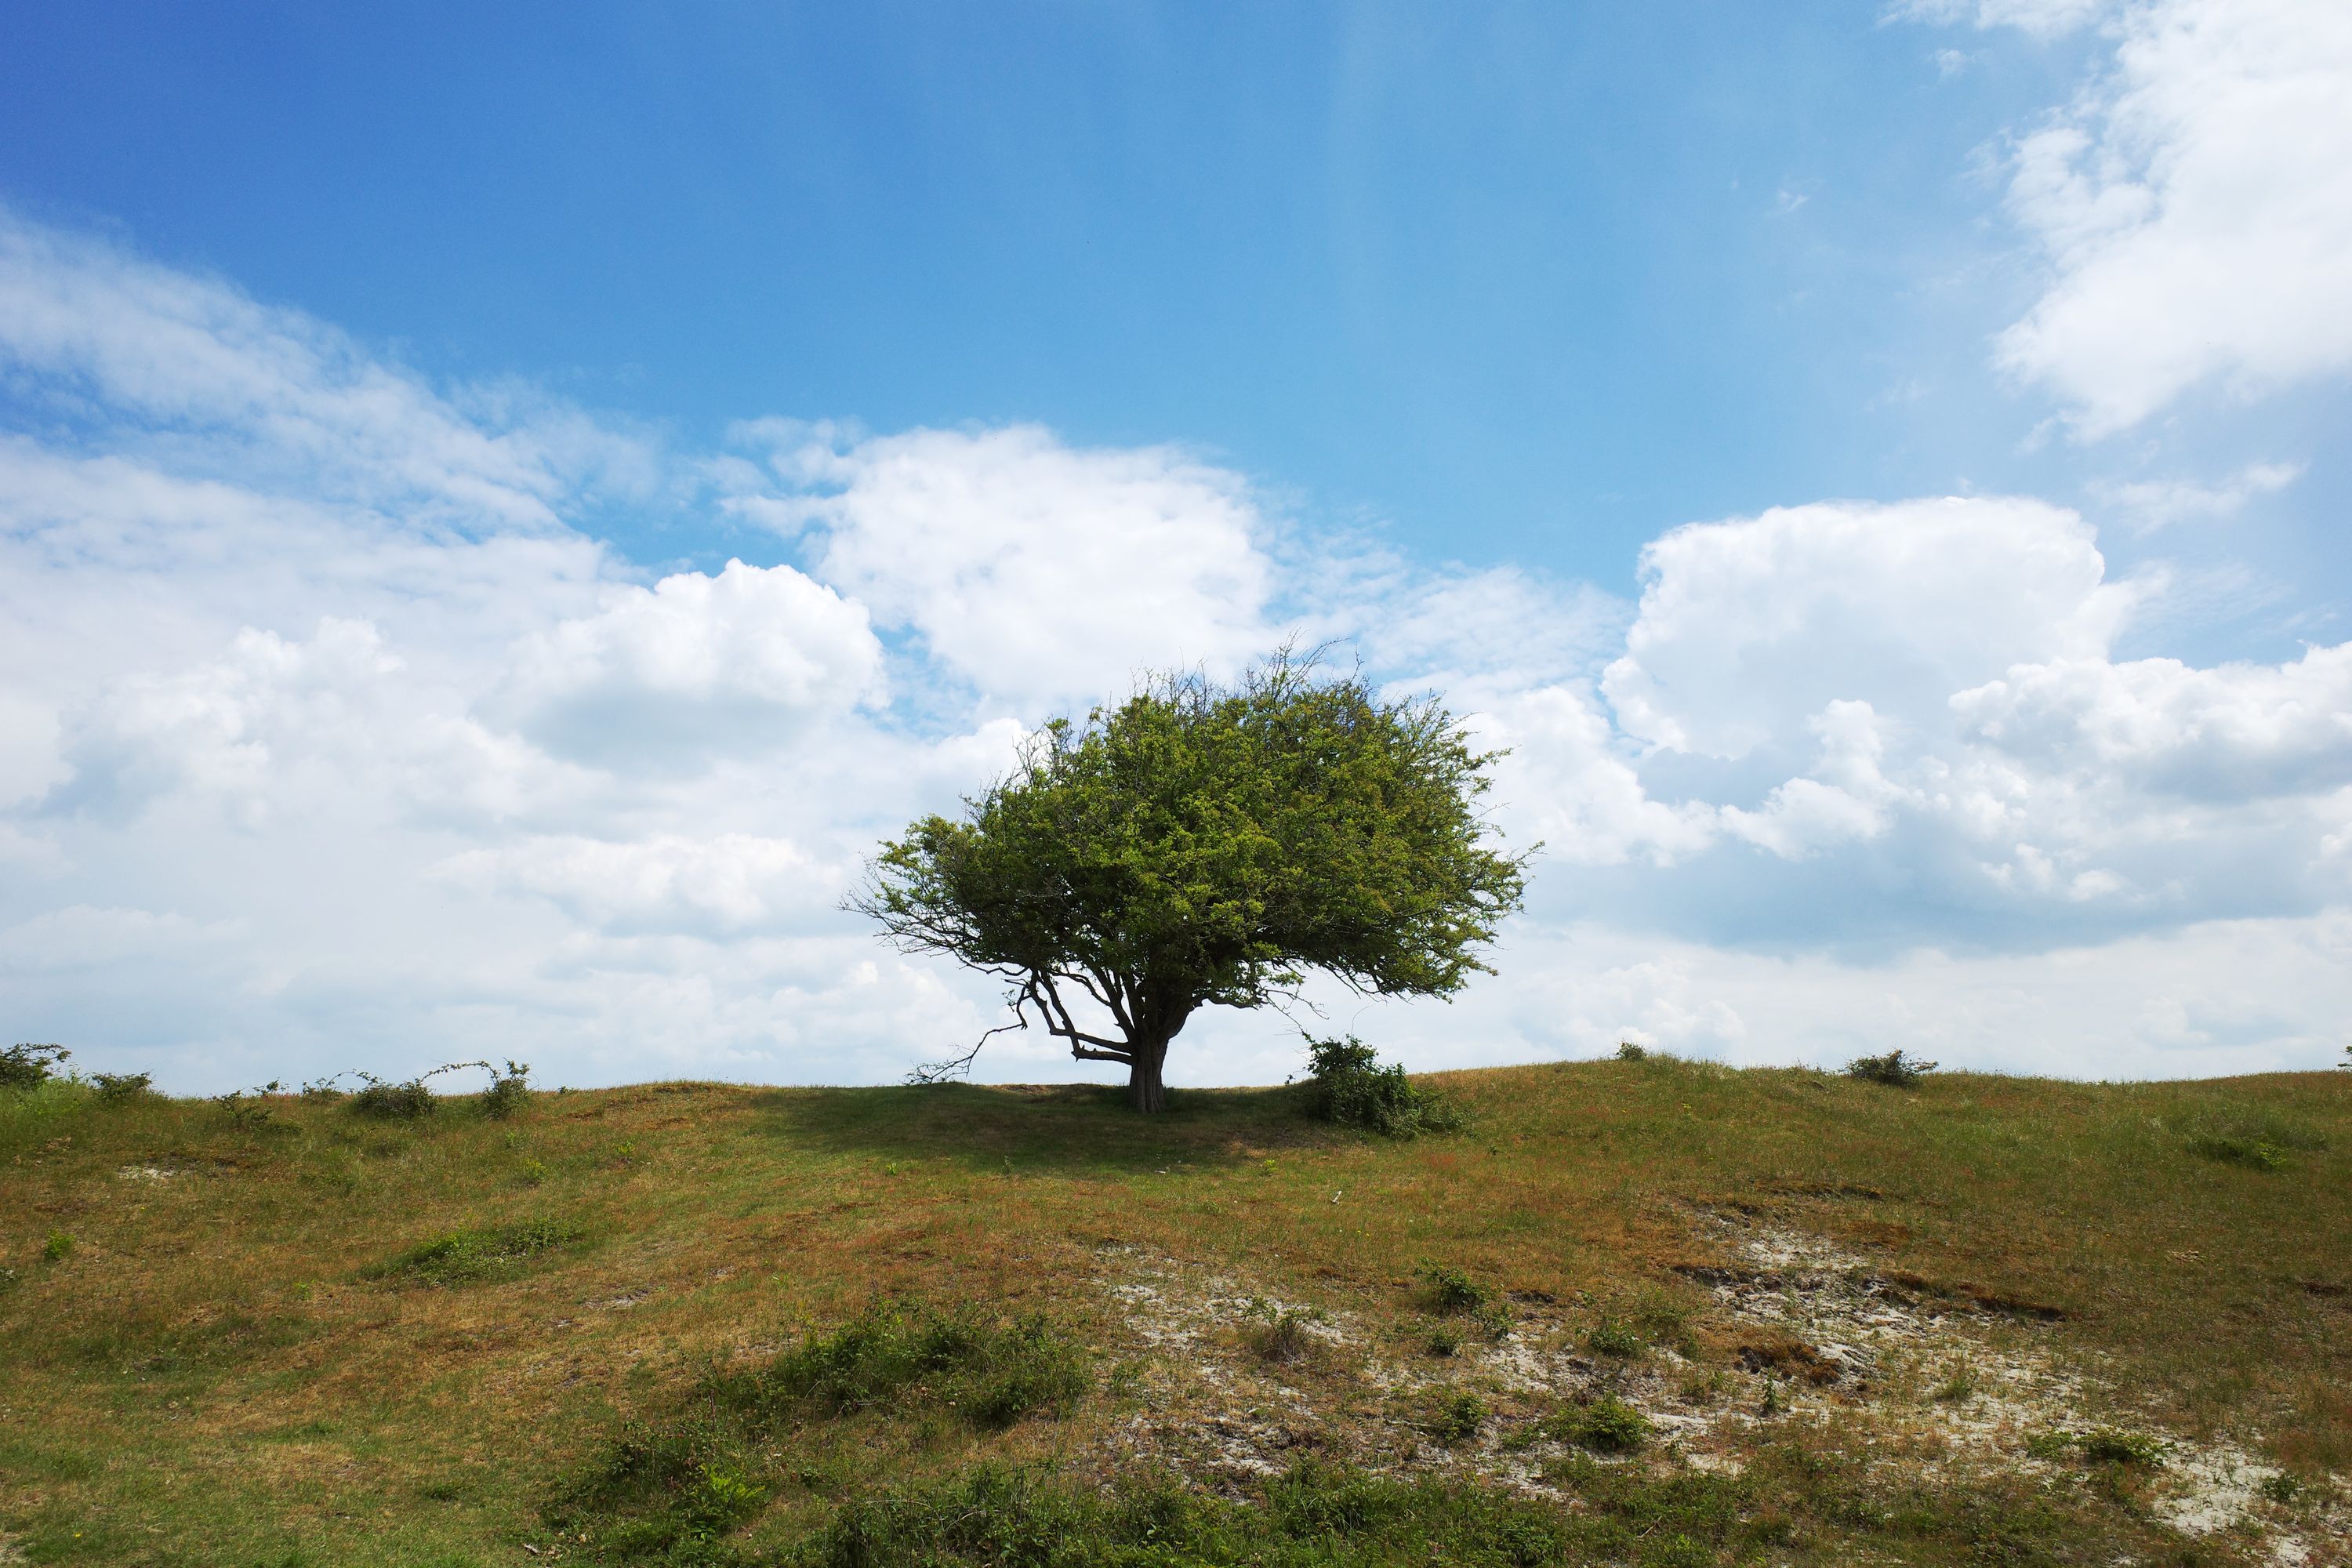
28	1066
1328	1516
2253	1153
117	1088
508	1092
1627	1051
1607	1425
2103	1445
1452	1291
1279	1334
1348	1085
2280	1488
1202	845
1895	1069
990	1375
1614	1337
1460	1417
467	1257
58	1248
2256	1139
2108	1445
675	1484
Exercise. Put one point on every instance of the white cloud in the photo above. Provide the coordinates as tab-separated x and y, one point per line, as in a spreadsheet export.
730	882
744	661
2038	19
2194	204
1027	567
1749	628
2151	504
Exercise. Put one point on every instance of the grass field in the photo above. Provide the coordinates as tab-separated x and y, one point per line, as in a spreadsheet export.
1649	1312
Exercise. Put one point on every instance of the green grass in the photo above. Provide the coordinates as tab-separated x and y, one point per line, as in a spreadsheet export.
885	1325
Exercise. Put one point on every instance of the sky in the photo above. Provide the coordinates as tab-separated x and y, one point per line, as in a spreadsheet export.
500	513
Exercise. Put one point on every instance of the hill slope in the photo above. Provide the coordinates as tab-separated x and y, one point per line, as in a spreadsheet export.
1653	1312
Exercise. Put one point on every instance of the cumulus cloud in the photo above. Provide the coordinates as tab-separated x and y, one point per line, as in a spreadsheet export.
726	883
1026	566
1749	628
747	660
2194	202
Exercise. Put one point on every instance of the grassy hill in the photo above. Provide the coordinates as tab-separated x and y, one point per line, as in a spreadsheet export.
1648	1312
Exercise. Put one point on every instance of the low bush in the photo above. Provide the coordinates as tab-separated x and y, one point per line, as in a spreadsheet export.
28	1066
1895	1068
1606	1425
1348	1085
1614	1337
1627	1051
1454	1292
466	1257
1279	1334
2251	1153
699	1475
118	1088
508	1092
1459	1419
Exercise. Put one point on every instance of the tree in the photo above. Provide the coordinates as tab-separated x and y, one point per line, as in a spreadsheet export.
1206	843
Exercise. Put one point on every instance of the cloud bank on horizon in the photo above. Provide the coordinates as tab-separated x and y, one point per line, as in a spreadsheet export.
332	732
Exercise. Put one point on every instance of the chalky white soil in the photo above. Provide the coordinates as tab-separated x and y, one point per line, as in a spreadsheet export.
1930	1383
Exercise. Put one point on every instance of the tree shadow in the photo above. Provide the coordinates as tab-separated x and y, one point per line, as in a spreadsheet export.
1060	1128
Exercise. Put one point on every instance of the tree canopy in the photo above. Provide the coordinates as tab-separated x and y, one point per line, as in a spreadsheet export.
1206	844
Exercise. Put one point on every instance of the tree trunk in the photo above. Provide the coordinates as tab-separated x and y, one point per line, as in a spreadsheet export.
1146	1090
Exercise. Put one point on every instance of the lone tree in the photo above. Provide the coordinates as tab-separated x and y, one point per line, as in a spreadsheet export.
1203	843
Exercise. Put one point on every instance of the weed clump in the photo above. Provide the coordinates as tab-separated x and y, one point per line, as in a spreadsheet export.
1279	1334
467	1257
1459	1420
2103	1446
991	1374
1606	1425
1896	1069
28	1066
2251	1153
693	1479
1348	1085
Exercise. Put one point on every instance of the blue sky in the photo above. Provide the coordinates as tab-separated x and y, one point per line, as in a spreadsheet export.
1420	326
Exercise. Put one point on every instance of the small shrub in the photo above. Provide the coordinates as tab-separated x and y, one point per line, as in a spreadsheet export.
1444	1341
1957	1389
534	1172
2280	1488
1279	1334
1895	1069
1610	1426
120	1087
27	1066
250	1107
2251	1153
58	1248
1627	1051
1454	1292
1612	1337
508	1092
2107	1445
380	1101
465	1256
1458	1420
1348	1085
990	1375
